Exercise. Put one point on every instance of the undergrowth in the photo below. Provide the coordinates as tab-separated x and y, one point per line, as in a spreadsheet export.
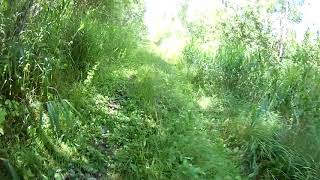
83	96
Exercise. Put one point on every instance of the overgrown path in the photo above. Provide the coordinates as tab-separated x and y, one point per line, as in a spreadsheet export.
156	128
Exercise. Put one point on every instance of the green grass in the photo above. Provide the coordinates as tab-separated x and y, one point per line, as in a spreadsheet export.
84	96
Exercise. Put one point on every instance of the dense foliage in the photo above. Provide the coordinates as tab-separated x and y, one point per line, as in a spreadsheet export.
84	96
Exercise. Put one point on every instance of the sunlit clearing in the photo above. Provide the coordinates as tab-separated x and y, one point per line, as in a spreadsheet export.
204	102
171	49
161	18
169	33
202	10
165	29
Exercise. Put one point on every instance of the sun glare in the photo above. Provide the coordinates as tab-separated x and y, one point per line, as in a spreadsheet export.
170	36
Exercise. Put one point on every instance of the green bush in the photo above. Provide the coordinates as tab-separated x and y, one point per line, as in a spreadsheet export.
246	68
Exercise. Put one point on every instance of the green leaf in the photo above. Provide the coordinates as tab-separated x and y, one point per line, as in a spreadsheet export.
58	176
54	117
10	169
2	119
2	115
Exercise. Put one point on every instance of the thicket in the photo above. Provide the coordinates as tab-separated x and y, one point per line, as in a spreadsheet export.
82	96
270	104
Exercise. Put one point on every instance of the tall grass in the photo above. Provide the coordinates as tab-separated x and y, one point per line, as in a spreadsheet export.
82	96
47	47
245	68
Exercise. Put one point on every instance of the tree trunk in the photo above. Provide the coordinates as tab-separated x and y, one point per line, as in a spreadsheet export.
283	30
